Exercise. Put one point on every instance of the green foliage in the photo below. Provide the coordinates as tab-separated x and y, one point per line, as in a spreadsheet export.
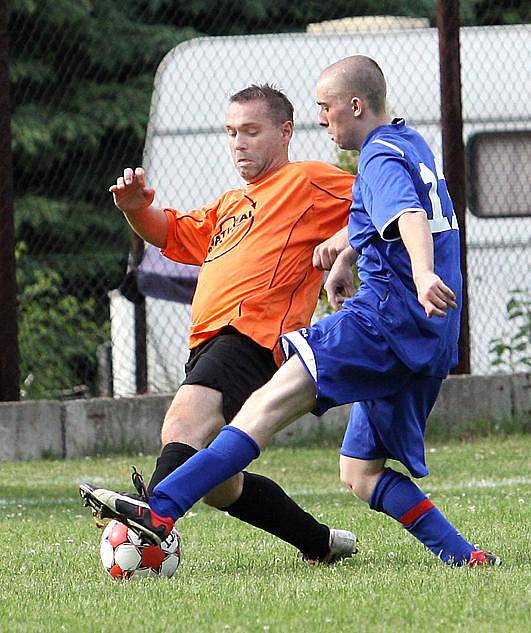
512	351
58	334
86	244
487	12
81	80
348	160
226	17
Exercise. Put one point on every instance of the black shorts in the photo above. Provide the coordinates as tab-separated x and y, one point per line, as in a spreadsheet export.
232	363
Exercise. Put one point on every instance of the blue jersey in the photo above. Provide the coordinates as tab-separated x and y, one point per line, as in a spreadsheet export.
397	173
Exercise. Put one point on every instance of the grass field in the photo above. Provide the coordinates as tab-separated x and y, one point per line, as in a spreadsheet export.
237	579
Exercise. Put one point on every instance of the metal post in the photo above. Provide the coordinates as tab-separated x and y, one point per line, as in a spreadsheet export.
448	24
9	353
141	368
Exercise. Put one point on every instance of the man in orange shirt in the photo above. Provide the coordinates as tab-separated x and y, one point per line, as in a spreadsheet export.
255	247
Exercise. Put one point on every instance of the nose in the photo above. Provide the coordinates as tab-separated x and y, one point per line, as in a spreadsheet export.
323	121
239	142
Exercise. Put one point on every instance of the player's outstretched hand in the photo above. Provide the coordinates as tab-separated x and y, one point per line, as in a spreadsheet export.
434	296
326	253
340	283
130	193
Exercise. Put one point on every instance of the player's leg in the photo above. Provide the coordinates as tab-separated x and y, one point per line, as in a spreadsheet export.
194	417
395	494
236	366
394	427
330	361
288	395
261	502
220	374
360	476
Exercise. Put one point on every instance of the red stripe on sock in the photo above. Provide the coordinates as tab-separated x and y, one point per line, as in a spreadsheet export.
416	511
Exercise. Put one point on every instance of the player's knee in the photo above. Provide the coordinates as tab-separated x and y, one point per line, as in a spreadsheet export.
216	500
359	486
174	421
212	501
178	426
351	484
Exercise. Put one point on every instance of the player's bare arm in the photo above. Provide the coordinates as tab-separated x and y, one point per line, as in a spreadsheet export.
326	253
433	294
135	200
340	282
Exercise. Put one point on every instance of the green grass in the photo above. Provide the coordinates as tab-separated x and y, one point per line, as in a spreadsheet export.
237	579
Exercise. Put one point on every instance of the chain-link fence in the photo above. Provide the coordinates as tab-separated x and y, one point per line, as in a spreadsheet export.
83	75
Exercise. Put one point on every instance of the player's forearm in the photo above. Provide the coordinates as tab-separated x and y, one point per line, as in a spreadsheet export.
348	255
341	238
150	223
326	253
416	236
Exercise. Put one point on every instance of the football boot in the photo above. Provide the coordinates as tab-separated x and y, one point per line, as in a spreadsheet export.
342	544
132	510
482	557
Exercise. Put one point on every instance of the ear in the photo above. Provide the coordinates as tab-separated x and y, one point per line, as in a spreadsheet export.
357	105
287	130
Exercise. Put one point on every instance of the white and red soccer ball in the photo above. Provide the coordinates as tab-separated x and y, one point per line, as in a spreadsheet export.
124	555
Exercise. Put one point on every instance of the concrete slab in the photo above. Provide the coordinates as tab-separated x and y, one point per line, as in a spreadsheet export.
103	425
75	428
465	398
521	394
31	430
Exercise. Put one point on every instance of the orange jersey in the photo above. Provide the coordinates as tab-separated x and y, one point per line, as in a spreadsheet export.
255	248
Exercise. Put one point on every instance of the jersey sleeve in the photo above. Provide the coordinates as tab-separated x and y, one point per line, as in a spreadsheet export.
332	197
387	190
189	233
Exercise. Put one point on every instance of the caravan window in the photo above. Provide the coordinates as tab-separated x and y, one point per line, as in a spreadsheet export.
499	174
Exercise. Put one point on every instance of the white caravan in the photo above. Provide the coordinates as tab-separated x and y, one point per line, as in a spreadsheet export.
188	162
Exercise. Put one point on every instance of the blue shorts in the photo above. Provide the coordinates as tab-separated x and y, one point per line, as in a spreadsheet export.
350	361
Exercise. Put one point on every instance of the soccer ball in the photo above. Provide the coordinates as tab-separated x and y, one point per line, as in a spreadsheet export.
125	555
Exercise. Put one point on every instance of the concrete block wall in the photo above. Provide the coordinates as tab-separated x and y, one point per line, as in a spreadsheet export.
101	425
43	429
31	430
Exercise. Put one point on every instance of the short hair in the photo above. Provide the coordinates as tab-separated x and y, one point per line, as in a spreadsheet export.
372	79
360	75
279	106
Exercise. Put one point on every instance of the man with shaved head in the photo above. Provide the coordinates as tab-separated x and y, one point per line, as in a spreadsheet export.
387	350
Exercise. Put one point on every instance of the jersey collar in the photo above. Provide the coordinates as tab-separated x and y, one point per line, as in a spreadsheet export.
397	123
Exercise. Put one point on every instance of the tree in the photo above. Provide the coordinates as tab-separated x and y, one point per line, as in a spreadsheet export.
81	74
78	114
488	12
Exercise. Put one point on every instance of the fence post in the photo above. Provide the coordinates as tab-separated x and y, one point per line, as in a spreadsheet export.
448	25
9	353
141	368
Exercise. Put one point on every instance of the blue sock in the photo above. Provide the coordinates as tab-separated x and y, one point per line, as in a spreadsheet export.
396	495
229	453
